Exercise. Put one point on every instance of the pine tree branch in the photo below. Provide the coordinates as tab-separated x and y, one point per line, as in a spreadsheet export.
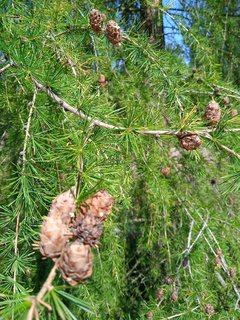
68	107
32	104
19	210
95	122
212	237
180	314
47	286
6	67
16	249
222	146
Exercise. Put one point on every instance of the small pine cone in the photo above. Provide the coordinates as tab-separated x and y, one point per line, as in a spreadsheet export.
174	296
194	69
169	280
234	113
76	263
99	204
113	32
102	81
209	309
150	315
159	294
96	19
232	273
219	253
88	229
166	171
63	206
213	113
190	141
226	101
53	237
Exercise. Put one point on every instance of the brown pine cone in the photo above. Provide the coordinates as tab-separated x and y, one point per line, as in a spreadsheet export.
174	296
234	113
102	80
76	263
113	32
150	315
226	101
99	205
96	19
159	294
63	206
54	230
53	237
232	272
166	171
88	229
209	309
213	113
190	141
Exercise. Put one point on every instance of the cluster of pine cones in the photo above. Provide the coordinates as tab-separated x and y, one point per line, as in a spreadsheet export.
112	30
68	233
191	141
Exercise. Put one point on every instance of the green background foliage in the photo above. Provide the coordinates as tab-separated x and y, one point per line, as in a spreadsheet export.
155	218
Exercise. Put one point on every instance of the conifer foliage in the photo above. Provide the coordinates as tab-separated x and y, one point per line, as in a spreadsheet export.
92	109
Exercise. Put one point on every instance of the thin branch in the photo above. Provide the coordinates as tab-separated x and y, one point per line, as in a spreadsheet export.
180	314
32	104
47	286
19	210
212	237
95	122
79	113
6	67
16	249
232	152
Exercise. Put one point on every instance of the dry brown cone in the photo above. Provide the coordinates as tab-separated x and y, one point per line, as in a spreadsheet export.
88	229
209	309
102	81
99	205
232	272
169	280
96	19
174	296
76	263
113	32
190	141
166	171
213	113
159	294
53	237
226	101
64	206
150	315
54	231
234	113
